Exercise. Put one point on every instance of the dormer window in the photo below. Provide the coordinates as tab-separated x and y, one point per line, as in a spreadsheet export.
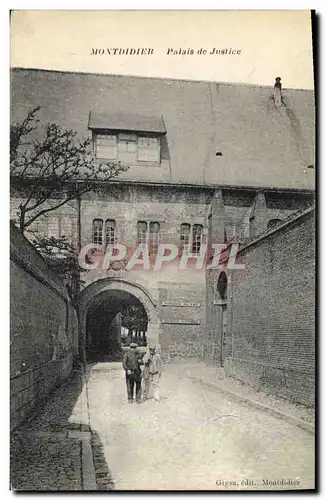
128	139
127	148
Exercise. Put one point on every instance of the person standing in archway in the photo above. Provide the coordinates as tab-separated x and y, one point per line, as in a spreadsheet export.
131	364
151	373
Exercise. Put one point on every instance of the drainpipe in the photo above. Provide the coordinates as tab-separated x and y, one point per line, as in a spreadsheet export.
79	222
81	340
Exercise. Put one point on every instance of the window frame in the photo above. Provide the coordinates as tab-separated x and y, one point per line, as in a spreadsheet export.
140	240
97	135
129	138
98	232
185	246
114	232
61	226
152	244
188	247
50	223
157	149
195	242
154	238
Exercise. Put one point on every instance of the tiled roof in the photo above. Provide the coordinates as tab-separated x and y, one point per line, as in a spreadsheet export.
137	123
258	144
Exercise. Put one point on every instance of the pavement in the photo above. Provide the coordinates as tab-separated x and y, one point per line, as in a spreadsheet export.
209	376
53	451
87	437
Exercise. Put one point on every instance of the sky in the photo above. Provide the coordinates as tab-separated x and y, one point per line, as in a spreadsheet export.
267	44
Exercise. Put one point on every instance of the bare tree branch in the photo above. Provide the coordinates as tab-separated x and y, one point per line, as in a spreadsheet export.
53	165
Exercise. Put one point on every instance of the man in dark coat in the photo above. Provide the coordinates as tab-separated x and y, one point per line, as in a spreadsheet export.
131	365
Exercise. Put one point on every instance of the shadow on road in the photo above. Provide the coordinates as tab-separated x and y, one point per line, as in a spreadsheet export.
56	449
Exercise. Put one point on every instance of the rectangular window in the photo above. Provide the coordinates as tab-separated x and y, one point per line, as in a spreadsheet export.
97	236
197	238
148	149
185	237
154	228
66	228
53	230
127	148
106	146
142	233
110	232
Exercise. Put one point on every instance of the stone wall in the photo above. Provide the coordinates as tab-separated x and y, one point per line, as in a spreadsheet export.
169	287
43	329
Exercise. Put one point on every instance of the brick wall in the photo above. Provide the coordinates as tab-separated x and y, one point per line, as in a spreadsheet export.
43	329
271	312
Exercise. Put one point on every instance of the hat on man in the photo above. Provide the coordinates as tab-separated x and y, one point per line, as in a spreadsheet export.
133	344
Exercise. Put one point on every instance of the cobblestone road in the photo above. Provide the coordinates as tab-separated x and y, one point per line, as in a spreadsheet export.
194	438
46	463
52	451
88	436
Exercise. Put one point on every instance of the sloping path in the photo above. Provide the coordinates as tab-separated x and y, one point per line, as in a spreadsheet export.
193	438
88	437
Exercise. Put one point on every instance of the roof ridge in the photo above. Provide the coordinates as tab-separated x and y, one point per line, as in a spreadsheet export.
166	79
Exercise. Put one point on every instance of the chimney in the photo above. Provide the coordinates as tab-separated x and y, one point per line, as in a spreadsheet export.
277	92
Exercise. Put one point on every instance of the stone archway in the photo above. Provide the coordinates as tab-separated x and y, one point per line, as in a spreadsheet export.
91	293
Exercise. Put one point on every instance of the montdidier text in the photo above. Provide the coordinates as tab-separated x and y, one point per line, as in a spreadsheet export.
122	52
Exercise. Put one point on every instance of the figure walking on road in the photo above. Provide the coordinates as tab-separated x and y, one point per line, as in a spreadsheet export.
131	364
151	374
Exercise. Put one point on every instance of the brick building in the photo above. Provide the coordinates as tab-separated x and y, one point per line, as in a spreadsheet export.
207	162
263	316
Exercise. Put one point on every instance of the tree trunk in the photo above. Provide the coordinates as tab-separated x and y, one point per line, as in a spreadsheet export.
22	219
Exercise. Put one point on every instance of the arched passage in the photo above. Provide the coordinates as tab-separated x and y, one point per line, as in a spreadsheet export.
114	319
101	305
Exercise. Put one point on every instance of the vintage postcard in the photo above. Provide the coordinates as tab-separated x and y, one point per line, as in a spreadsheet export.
162	251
